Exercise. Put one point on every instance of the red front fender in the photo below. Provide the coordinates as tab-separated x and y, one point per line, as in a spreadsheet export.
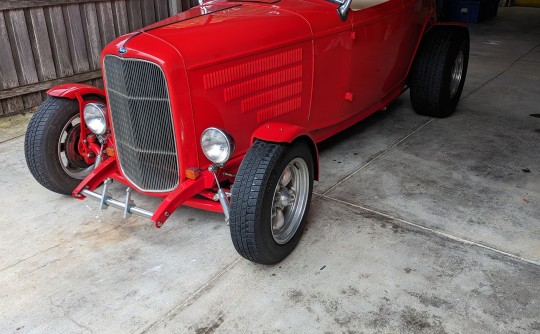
287	133
73	91
279	132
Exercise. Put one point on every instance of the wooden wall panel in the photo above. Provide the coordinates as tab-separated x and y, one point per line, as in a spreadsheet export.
121	17
59	41
39	37
24	63
48	42
106	22
148	11
76	38
8	73
175	7
92	34
134	14
162	9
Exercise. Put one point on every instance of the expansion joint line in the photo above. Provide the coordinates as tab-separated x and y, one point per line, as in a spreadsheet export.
378	156
195	295
436	232
501	73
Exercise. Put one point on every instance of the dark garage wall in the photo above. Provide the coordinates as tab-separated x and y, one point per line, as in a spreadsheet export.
46	43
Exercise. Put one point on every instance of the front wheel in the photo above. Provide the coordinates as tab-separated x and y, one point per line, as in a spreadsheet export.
270	200
51	146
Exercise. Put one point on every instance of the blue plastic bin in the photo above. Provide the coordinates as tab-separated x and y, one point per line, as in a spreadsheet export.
473	11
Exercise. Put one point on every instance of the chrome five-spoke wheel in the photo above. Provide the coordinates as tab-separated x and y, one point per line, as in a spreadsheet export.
71	160
290	199
457	73
270	200
51	146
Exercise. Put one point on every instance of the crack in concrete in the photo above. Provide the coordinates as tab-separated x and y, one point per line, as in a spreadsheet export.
66	315
13	138
436	232
56	246
29	257
193	297
43	266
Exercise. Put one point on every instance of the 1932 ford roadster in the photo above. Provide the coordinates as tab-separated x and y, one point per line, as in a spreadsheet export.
221	107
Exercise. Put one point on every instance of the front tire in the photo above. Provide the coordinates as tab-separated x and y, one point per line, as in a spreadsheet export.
270	200
439	70
51	146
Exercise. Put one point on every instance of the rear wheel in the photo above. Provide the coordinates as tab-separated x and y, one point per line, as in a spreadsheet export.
51	146
439	70
270	200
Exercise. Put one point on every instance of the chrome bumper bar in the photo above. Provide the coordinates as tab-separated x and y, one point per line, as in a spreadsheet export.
125	206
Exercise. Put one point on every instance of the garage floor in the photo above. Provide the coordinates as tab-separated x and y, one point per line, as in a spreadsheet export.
419	225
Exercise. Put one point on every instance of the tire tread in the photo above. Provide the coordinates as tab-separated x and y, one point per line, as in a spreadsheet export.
429	71
35	144
246	201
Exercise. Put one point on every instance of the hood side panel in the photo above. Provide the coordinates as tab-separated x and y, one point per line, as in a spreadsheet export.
241	95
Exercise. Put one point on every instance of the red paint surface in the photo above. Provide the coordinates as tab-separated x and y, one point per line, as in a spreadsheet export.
273	70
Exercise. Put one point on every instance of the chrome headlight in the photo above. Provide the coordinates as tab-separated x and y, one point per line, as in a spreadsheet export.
94	118
217	145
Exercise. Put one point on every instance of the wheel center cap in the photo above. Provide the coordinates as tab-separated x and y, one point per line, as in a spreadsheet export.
284	198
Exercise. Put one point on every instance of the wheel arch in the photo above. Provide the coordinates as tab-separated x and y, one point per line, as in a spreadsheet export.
429	25
74	91
288	133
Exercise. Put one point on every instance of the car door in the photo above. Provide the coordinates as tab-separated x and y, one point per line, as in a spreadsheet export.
416	14
376	68
332	56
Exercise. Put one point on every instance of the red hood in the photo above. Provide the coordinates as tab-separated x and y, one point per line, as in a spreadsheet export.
221	31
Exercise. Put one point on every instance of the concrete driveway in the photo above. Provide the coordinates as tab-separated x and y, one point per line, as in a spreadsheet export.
418	226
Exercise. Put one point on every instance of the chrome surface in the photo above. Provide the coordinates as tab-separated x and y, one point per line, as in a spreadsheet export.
127	202
224	201
290	201
100	108
68	153
117	204
142	123
99	157
344	8
222	195
228	139
457	73
105	194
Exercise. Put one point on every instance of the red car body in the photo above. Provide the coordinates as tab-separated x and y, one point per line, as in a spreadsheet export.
271	70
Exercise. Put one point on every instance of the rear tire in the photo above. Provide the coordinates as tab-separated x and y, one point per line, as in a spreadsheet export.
439	70
50	146
270	200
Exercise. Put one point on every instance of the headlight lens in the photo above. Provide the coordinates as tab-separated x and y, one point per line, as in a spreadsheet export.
217	145
94	118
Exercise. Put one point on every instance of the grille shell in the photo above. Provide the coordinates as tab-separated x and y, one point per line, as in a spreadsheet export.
142	122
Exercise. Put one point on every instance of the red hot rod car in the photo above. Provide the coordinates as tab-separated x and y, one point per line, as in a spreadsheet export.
221	107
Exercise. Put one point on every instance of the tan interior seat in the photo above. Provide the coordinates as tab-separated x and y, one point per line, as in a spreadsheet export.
362	4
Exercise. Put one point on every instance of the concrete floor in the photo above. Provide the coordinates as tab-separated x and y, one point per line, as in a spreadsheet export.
419	225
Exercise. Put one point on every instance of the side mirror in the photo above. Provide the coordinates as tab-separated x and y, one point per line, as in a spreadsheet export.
343	9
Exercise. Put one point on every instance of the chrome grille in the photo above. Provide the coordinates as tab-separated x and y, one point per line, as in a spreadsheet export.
142	123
